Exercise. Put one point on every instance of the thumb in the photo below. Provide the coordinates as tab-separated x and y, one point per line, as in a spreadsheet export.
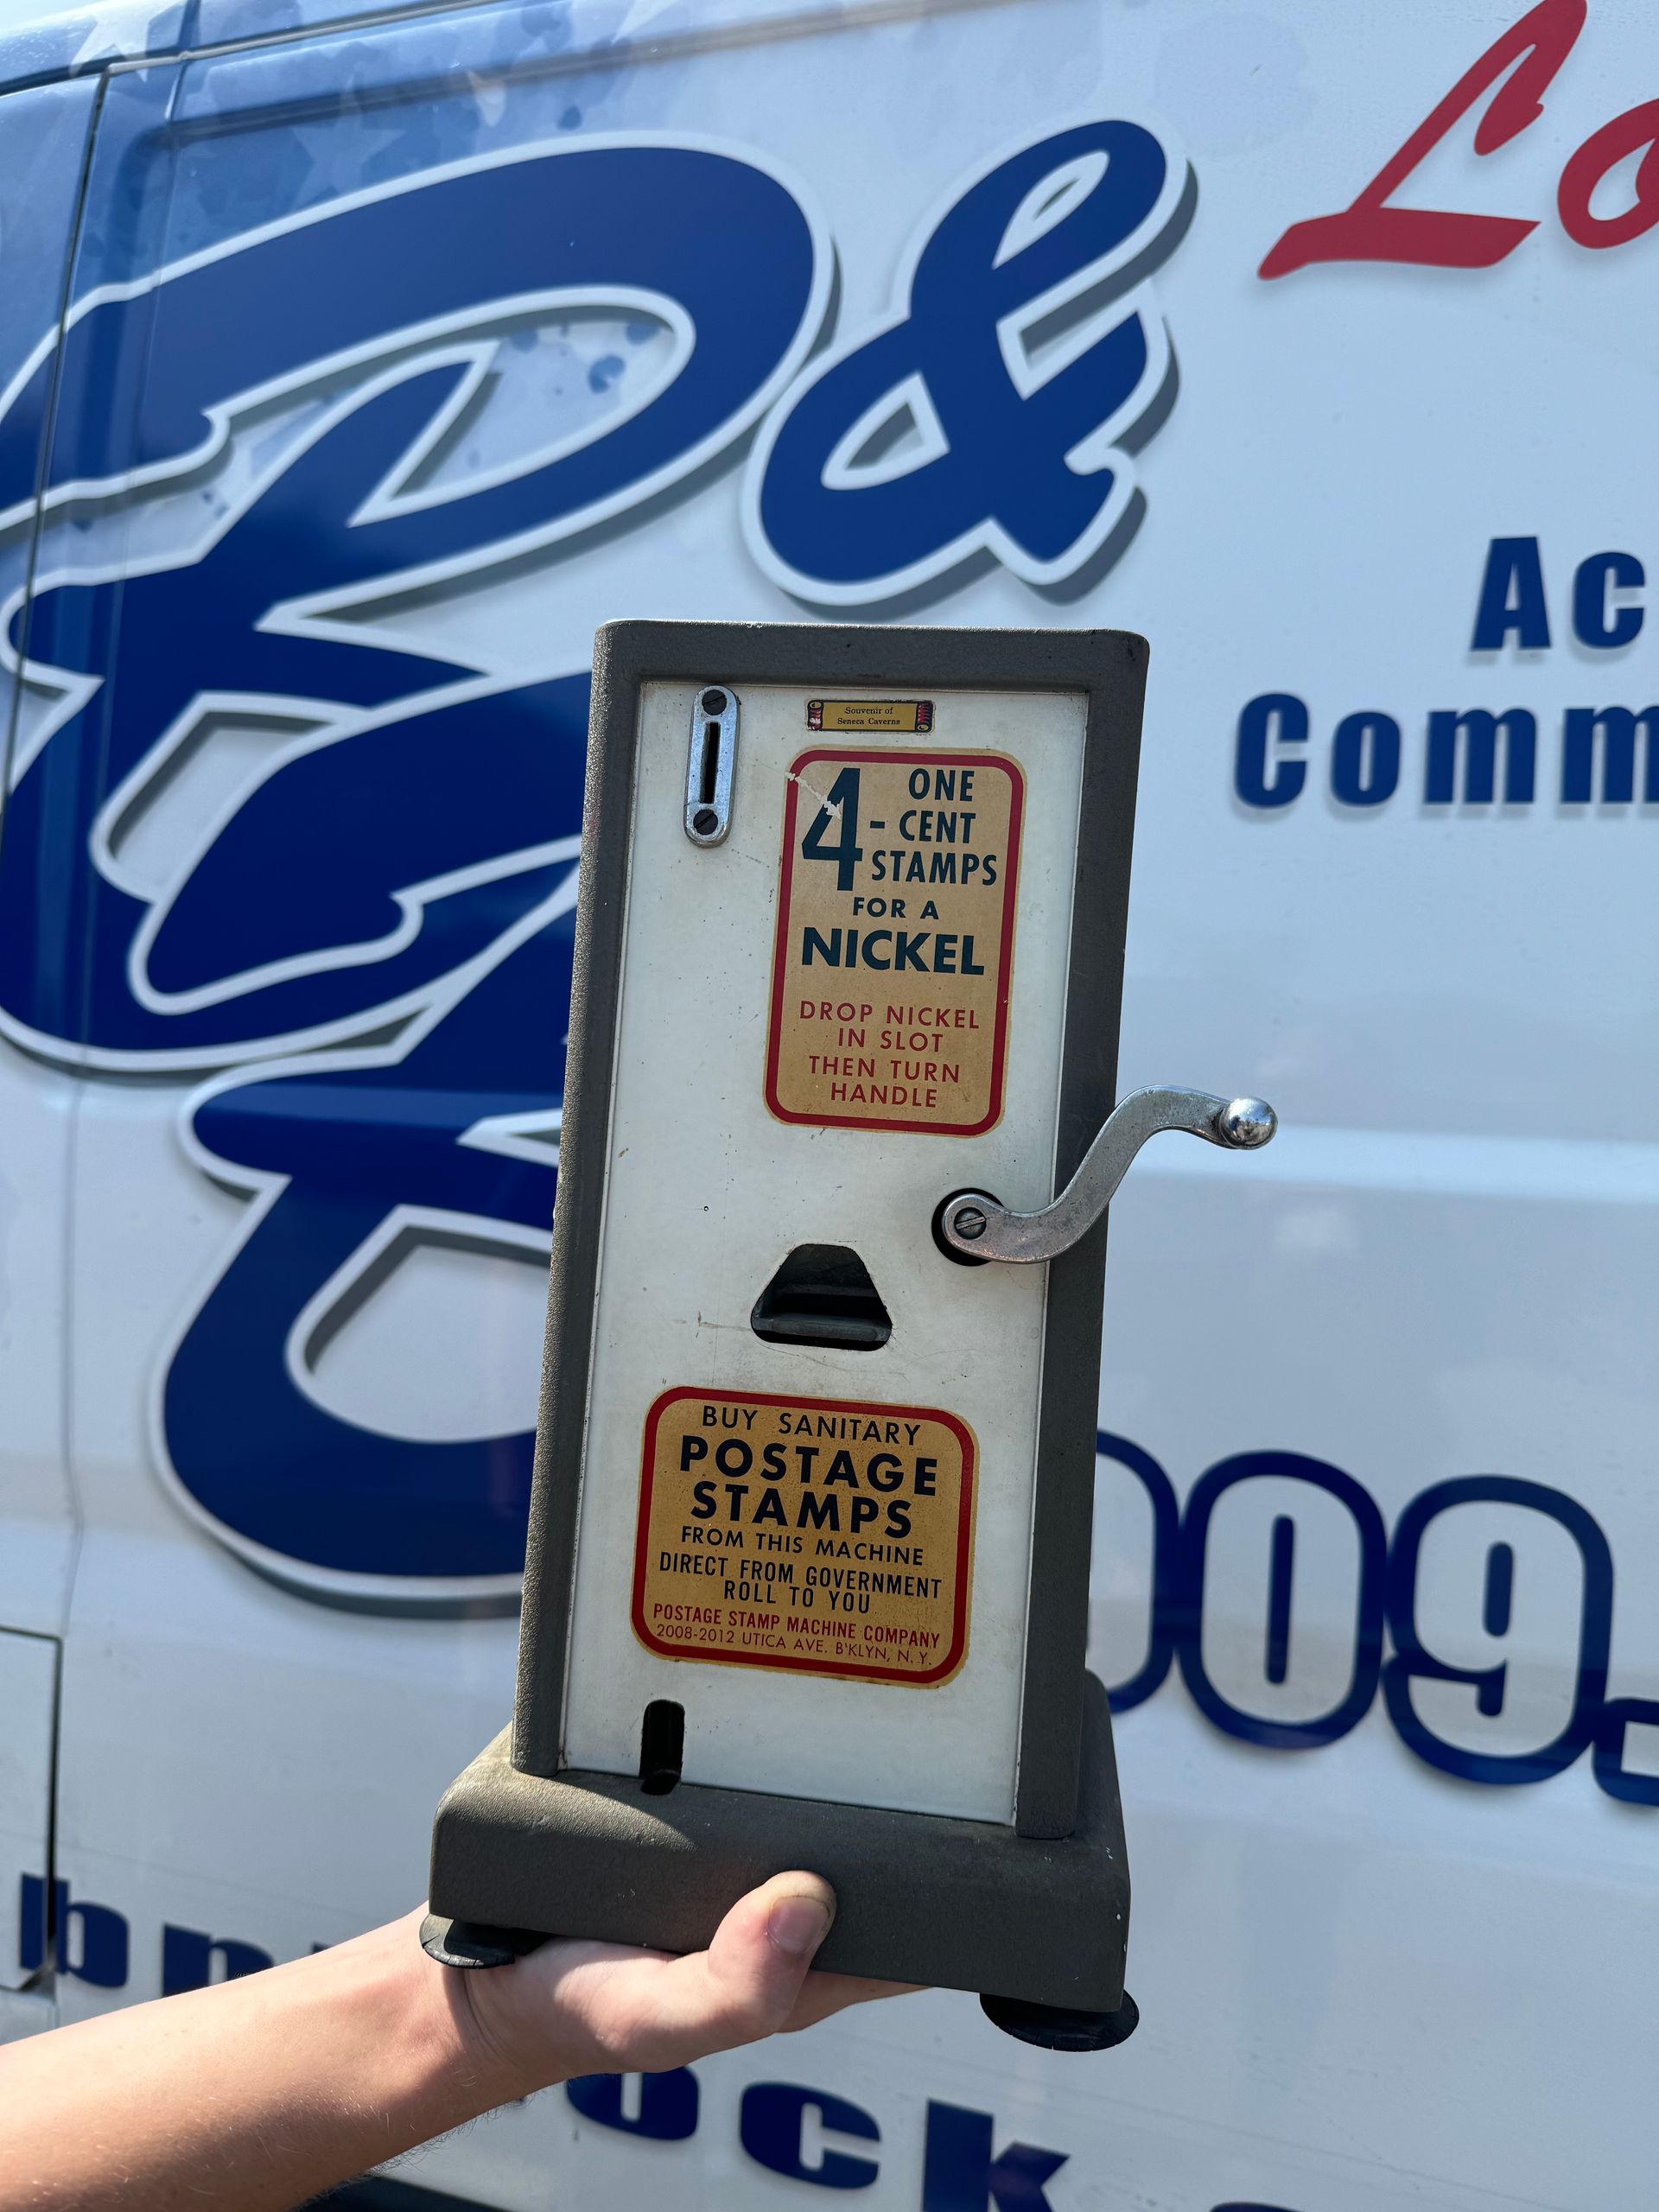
769	1938
746	1983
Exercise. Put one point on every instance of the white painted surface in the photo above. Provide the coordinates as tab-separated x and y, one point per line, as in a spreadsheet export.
1364	1982
677	1285
28	1688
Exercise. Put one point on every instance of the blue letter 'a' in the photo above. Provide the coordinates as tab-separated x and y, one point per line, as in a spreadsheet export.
960	2175
1511	597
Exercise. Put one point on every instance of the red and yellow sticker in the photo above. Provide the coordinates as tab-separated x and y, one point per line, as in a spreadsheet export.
821	1535
895	948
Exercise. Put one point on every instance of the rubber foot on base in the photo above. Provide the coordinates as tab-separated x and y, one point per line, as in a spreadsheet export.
1055	2027
470	1943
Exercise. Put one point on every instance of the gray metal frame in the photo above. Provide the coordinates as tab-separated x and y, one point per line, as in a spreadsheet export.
958	1904
1108	667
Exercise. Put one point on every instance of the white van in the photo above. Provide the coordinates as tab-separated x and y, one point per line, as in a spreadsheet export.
356	365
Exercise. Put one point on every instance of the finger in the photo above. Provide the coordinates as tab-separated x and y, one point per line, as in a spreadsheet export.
614	1991
750	1978
824	1993
744	1985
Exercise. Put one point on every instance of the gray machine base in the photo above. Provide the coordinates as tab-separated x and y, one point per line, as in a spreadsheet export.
958	1904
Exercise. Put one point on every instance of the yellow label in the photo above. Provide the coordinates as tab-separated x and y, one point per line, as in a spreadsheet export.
894	948
824	1536
869	714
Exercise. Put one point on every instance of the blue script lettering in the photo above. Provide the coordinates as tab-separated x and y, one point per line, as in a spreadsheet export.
995	412
397	879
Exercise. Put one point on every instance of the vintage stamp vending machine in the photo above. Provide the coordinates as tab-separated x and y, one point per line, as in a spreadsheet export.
809	1557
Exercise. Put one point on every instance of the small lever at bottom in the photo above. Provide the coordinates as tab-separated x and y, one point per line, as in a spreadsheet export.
975	1227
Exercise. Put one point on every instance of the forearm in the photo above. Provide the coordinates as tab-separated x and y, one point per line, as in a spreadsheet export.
257	2094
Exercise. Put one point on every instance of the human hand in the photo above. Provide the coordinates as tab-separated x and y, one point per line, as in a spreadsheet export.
573	2008
263	2091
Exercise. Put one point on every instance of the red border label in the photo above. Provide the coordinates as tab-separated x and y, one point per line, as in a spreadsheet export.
724	1655
910	756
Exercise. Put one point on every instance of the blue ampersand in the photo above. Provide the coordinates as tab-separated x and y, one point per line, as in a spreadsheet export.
1019	404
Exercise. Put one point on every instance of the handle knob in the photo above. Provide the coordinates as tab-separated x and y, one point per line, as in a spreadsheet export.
975	1226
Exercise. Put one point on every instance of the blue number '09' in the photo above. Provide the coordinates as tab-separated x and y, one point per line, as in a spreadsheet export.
1414	1663
1280	1735
1386	1594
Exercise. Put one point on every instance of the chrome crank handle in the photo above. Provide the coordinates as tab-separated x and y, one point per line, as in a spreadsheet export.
975	1227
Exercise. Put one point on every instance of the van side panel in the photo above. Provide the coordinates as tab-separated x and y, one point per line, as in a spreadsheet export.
45	134
398	359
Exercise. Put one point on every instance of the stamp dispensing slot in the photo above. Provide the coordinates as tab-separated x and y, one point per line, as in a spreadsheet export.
822	1295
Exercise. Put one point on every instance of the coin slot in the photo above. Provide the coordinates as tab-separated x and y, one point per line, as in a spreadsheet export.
822	1295
710	760
662	1746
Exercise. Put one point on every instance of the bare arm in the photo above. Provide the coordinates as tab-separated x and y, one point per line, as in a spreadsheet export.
259	2093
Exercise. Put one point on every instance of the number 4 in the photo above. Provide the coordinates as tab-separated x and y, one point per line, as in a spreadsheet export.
841	808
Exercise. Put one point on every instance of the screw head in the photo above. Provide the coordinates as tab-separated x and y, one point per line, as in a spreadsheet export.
705	821
968	1222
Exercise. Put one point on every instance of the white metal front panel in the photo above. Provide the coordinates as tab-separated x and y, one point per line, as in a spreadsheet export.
707	1192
